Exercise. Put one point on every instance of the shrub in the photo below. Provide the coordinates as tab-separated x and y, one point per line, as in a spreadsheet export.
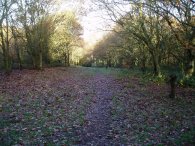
188	82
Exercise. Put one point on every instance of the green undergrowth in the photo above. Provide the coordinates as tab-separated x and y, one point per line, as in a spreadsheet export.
190	82
148	76
145	77
187	138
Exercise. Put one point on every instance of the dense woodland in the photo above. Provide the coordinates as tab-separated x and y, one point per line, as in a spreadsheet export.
32	35
153	34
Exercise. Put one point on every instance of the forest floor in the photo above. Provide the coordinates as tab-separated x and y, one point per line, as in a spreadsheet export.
92	106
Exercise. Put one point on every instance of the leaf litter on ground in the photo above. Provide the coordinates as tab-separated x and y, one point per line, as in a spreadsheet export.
91	106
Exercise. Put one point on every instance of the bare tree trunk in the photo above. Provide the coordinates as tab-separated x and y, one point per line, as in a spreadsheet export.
173	79
7	62
34	61
65	59
68	58
37	60
18	50
108	64
19	54
156	65
40	61
189	66
143	66
5	48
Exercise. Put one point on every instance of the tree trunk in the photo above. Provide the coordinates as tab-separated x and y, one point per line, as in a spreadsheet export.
17	48
34	61
20	59
189	65
173	79
68	59
156	65
37	61
65	59
6	54
143	64
7	62
108	64
40	61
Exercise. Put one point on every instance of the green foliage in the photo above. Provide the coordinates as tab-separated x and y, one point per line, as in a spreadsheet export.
143	38
11	138
188	82
87	63
56	63
187	138
35	37
66	38
150	77
157	79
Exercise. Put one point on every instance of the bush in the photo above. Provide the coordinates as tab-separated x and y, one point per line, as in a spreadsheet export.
188	82
157	79
87	64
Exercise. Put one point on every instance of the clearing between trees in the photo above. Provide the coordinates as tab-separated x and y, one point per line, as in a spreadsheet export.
92	106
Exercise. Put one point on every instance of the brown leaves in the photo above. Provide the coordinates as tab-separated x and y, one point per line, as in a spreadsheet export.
80	106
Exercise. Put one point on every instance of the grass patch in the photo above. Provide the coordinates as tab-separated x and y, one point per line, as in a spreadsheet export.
187	138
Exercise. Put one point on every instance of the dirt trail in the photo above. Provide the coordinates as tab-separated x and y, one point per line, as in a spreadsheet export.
91	106
98	116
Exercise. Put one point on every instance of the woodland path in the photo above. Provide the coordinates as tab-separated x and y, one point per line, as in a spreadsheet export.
98	116
92	106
